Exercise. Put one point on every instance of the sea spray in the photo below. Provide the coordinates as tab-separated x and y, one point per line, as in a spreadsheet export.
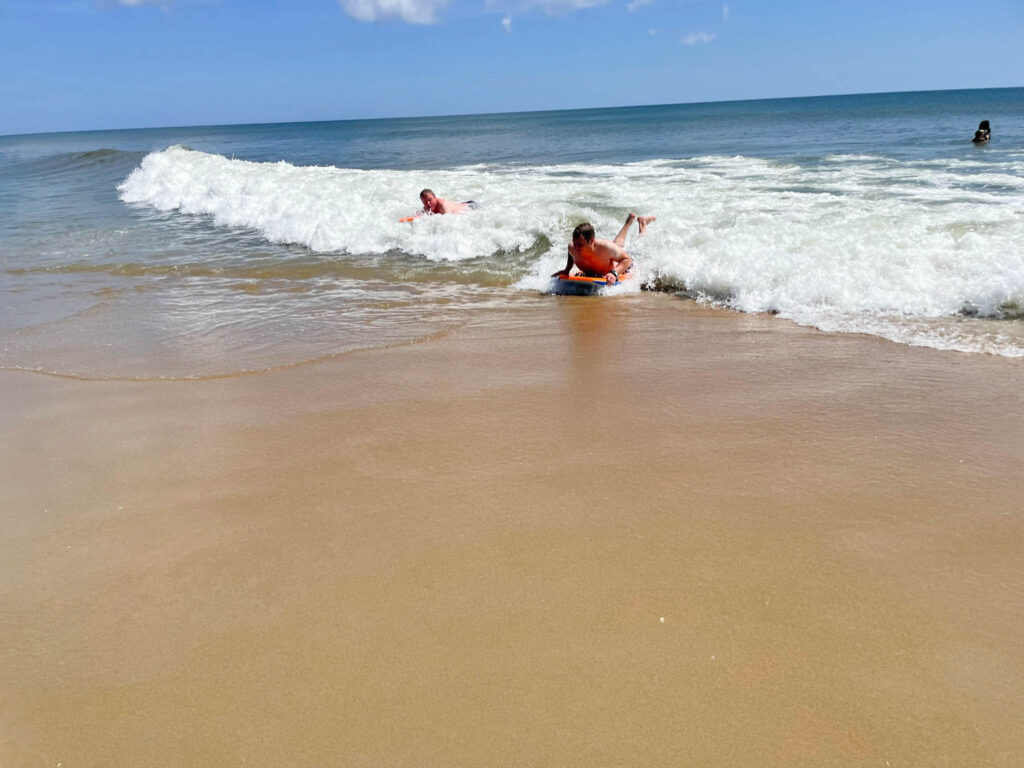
126	253
838	242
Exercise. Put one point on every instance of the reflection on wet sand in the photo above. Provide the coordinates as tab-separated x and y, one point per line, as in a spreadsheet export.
414	556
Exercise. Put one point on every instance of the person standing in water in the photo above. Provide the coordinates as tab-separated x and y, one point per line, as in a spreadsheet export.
983	134
593	257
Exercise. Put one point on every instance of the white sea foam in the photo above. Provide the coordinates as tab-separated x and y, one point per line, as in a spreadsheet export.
326	209
849	243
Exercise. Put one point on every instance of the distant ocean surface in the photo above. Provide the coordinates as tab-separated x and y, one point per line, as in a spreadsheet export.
198	252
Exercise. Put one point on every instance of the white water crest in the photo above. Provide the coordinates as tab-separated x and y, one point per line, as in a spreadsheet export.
326	209
911	251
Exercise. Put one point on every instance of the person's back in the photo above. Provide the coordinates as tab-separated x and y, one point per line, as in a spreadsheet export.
601	258
596	257
434	204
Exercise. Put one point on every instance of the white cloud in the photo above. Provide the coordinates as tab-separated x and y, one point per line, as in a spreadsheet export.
699	37
163	5
409	11
106	5
133	3
564	6
725	13
550	7
638	4
507	23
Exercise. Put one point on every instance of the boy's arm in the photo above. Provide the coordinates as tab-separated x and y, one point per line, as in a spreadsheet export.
621	262
568	266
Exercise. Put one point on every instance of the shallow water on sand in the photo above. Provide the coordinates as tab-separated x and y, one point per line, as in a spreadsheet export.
199	252
559	536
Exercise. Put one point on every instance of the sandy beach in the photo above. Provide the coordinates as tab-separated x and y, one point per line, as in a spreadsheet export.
628	532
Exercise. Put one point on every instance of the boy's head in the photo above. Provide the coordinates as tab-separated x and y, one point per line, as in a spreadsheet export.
583	234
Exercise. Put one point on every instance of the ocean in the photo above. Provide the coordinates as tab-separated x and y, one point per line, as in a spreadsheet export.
214	251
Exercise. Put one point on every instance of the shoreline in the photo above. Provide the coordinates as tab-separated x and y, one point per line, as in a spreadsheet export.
426	555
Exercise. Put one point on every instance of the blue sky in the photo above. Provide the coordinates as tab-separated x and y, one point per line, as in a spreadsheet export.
99	64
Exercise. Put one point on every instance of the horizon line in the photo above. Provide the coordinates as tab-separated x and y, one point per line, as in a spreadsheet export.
496	113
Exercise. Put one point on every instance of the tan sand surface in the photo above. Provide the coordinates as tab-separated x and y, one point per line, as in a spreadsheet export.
629	532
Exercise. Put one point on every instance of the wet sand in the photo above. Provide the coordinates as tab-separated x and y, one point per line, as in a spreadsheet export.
602	533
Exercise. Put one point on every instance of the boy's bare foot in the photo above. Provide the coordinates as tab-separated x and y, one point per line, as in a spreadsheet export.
643	221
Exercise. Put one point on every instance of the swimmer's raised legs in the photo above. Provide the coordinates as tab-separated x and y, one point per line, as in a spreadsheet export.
593	257
641	223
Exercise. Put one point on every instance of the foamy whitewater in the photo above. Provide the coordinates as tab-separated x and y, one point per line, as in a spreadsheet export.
818	245
919	240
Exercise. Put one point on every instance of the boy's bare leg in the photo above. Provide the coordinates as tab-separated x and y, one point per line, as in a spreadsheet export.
620	239
643	221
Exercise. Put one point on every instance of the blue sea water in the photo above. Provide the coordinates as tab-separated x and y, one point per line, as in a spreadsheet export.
191	252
